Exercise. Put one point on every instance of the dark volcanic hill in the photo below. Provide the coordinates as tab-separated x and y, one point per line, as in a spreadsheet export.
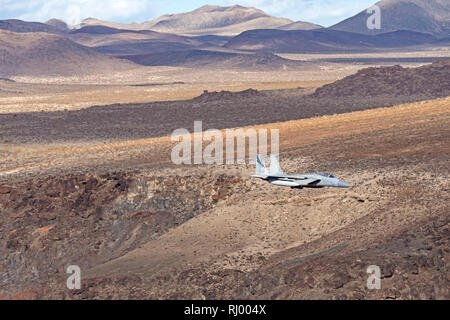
100	30
324	40
111	40
300	25
426	16
42	54
433	79
16	25
142	47
215	59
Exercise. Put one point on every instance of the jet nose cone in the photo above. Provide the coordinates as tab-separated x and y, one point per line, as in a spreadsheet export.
343	184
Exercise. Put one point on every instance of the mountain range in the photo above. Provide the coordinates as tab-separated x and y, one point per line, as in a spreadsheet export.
214	36
212	20
324	40
218	60
424	16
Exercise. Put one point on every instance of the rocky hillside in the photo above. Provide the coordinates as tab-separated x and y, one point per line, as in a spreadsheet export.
41	54
430	79
90	219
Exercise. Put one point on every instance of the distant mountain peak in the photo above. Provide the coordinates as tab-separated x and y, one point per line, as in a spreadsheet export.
207	8
426	16
91	19
212	8
208	19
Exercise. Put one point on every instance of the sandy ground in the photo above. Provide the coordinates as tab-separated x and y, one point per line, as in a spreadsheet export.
75	99
145	84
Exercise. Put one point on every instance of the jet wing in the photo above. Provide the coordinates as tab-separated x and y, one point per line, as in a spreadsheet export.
307	181
300	180
286	176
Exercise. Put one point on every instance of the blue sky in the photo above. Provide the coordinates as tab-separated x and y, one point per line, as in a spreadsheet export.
323	12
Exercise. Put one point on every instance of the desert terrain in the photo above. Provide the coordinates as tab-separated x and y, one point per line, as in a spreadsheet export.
158	231
140	227
86	176
24	93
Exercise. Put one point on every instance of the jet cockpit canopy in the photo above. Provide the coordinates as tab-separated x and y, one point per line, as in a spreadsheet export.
326	174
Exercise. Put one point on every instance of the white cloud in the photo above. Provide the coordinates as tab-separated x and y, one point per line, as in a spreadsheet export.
74	10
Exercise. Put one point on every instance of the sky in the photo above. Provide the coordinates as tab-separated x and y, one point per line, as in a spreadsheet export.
323	12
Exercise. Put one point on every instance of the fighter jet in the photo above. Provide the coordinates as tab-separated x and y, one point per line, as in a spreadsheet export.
275	176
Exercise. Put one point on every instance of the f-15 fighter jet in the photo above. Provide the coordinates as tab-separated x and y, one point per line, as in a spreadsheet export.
275	176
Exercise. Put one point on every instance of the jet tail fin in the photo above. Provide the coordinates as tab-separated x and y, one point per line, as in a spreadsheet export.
260	167
274	165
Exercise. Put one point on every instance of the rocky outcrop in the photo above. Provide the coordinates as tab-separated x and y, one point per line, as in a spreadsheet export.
413	266
431	79
207	96
48	224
